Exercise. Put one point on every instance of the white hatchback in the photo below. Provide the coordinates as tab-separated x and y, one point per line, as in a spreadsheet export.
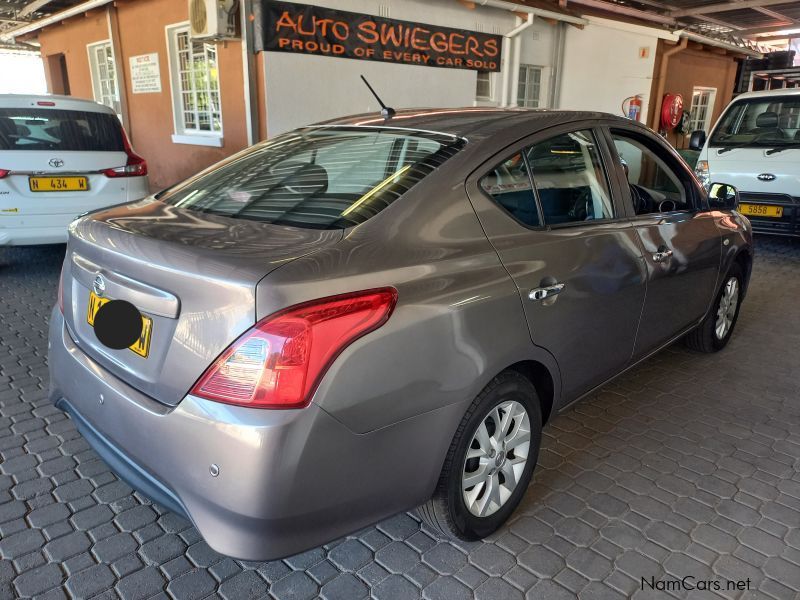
61	157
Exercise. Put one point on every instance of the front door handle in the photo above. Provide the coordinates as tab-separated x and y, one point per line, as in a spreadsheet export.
545	292
662	256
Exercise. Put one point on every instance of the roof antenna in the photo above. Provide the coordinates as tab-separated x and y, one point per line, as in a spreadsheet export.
387	112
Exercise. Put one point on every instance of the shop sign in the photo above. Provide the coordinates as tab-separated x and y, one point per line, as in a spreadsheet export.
145	74
290	27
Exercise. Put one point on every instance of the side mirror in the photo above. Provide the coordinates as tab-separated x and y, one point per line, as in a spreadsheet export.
723	196
697	140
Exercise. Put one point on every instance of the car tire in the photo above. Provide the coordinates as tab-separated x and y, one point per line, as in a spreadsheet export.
715	330
447	512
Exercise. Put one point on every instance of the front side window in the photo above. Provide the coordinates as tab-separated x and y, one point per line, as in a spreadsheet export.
770	122
701	109
319	178
104	75
530	86
570	180
654	187
509	184
195	74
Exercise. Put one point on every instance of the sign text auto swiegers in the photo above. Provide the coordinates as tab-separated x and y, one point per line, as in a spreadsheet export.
290	27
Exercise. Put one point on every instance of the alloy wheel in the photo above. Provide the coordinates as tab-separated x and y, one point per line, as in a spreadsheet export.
726	311
496	458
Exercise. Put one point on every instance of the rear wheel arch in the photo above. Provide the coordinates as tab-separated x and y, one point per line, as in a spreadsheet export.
541	378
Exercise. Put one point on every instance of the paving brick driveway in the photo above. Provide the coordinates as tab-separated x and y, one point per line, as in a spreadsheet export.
686	466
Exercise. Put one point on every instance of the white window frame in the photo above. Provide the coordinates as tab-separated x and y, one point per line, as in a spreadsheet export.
709	106
528	69
181	134
490	77
97	80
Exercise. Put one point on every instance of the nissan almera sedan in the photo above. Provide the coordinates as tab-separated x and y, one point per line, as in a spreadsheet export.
364	316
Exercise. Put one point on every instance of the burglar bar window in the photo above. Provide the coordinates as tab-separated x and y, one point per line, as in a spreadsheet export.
195	87
104	75
530	86
701	109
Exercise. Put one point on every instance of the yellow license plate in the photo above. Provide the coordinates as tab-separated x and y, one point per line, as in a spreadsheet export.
58	184
142	346
761	210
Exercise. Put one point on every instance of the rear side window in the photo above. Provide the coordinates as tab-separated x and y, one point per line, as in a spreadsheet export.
55	129
510	186
320	178
570	180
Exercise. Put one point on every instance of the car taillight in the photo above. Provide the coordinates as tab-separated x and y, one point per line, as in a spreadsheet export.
279	362
61	290
4	173
136	166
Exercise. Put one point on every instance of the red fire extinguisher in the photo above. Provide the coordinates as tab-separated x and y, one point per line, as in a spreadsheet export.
633	110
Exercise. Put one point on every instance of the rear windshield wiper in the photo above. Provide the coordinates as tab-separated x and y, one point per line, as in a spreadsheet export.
777	149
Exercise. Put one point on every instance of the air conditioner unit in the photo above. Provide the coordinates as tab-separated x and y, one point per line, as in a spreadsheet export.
214	19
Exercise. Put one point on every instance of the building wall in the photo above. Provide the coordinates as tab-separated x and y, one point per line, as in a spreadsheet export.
603	65
70	40
142	31
696	67
292	89
302	89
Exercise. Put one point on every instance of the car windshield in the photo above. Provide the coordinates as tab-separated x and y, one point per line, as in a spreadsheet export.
321	178
55	129
760	122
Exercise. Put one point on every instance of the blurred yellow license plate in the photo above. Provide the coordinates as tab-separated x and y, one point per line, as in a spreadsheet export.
761	210
58	184
142	346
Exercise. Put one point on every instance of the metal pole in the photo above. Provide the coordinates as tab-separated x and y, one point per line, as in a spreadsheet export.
250	79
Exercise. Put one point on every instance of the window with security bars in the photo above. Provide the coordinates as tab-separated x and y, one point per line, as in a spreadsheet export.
701	108
196	72
104	75
530	86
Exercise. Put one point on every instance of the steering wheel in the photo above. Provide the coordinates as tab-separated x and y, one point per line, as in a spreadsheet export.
667	205
642	200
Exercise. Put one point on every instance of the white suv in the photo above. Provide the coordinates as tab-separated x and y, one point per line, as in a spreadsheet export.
61	157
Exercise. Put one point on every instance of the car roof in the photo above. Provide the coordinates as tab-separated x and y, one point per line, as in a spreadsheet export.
769	93
468	122
61	102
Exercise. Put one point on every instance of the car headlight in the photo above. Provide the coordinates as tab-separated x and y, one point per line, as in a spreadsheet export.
701	170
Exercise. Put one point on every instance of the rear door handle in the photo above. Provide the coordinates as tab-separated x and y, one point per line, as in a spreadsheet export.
545	292
662	255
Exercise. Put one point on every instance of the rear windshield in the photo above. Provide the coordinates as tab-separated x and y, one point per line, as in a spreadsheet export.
320	178
54	129
770	122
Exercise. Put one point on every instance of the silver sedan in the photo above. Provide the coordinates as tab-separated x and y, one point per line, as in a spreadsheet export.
376	314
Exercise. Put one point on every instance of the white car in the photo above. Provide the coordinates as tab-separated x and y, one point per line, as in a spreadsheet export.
61	157
755	146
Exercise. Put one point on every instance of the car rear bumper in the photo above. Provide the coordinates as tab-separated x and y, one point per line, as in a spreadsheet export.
288	480
31	236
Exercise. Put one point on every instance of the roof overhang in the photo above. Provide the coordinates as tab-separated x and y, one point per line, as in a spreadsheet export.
10	35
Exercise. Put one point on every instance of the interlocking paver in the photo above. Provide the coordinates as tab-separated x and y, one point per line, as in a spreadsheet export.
687	464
